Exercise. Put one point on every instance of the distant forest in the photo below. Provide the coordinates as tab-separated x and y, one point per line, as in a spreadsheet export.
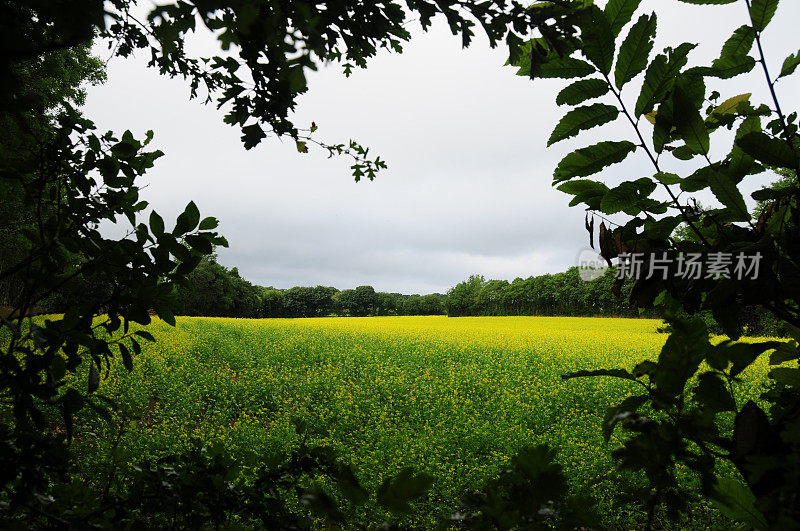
217	291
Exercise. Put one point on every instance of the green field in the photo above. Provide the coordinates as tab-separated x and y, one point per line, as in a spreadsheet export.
455	397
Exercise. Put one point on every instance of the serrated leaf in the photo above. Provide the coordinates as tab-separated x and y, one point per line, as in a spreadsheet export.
582	119
660	76
728	194
768	150
626	195
729	67
565	68
635	50
761	13
619	13
583	186
689	123
598	39
582	90
739	44
592	159
790	64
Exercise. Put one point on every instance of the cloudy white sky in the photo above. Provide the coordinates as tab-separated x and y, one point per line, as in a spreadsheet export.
468	189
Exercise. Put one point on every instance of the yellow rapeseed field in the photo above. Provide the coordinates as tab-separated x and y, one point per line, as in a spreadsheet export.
455	397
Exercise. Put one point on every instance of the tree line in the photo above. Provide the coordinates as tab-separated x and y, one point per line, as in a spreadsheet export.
559	294
214	290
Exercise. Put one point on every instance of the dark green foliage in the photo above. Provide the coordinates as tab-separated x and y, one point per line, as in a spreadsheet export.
530	494
213	290
61	180
558	294
678	420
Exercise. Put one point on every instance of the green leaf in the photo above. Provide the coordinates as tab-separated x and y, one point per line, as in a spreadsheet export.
626	195
396	492
127	361
200	243
620	412
768	150
784	352
635	50
581	119
683	153
167	316
740	163
727	107
668	178
252	135
689	123
737	502
583	186
156	224
598	39
145	334
761	13
592	159
614	373
209	223
739	44
660	76
786	376
728	194
728	67
188	220
94	377
619	13
565	68
712	393
790	64
582	90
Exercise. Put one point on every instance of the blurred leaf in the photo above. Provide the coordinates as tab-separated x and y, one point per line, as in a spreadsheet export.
737	502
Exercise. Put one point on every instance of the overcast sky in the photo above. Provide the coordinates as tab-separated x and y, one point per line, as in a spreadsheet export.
468	189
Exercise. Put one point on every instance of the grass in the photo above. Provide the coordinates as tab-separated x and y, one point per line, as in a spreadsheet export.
454	397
